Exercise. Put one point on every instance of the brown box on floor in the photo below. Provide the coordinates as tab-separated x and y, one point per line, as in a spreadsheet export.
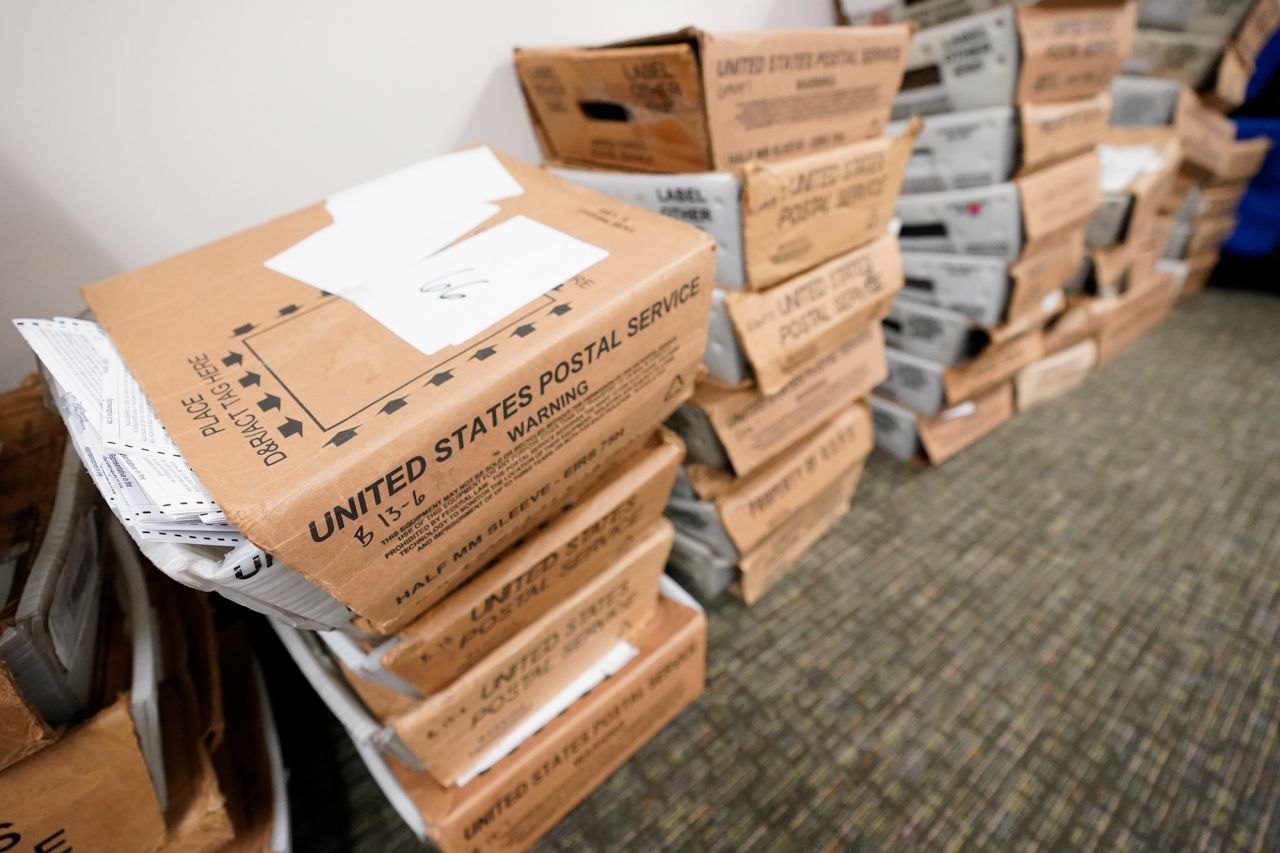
1055	375
1128	318
933	439
516	802
489	437
695	101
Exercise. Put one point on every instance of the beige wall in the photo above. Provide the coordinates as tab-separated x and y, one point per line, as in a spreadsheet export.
135	129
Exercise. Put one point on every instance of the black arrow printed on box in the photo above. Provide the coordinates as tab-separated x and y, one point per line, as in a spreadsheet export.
249	379
522	331
290	427
243	330
393	405
342	438
231	359
269	402
483	353
440	378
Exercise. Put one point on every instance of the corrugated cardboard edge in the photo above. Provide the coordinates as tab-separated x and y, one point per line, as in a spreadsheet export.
1044	266
101	762
22	730
943	437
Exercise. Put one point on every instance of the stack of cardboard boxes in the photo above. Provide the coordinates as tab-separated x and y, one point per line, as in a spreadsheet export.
1198	213
124	724
1001	185
424	417
773	144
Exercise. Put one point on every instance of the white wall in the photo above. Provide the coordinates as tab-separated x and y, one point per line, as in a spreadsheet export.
134	129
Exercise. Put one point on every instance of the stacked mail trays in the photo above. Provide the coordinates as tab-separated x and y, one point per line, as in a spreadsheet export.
1002	181
806	261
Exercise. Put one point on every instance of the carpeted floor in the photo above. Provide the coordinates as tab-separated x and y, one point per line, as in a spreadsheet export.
1067	636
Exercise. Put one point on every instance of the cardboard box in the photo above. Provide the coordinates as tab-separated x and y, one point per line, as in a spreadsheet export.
793	214
735	514
779	553
742	429
783	330
999	220
1210	17
1209	142
451	731
401	474
1188	58
1131	316
522	797
1054	375
1135	181
544	569
929	387
1025	55
990	145
692	101
933	439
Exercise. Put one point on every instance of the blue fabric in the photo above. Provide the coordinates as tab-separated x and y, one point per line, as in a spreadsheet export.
1258	230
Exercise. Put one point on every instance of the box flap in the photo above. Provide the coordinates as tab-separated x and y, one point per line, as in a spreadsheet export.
757	504
1072	50
1052	132
792	539
635	107
802	211
1059	196
944	435
754	427
786	328
776	94
997	363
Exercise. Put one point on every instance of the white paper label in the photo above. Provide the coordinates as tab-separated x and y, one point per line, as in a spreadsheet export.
76	353
430	189
346	254
129	424
450	297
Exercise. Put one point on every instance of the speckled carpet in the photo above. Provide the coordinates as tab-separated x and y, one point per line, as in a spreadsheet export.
1066	637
